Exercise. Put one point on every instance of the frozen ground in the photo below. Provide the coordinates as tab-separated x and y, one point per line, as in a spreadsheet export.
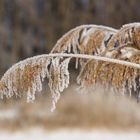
36	134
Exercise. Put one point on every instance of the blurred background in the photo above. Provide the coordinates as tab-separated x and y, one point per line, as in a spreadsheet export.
32	27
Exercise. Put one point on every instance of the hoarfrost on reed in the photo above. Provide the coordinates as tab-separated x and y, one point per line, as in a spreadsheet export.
102	53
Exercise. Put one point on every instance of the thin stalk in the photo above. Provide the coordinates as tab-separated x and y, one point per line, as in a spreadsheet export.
100	58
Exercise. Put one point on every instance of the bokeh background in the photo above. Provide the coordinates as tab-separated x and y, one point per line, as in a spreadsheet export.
32	27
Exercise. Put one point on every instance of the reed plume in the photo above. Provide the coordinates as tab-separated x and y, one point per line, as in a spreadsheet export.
106	56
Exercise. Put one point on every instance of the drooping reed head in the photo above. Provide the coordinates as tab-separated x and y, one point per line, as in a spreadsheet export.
27	76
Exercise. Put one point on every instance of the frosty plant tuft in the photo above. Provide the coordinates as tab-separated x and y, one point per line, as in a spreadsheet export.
105	56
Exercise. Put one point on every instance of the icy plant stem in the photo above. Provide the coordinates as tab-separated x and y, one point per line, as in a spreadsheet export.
100	58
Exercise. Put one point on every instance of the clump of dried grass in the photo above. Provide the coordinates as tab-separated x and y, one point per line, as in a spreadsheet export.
106	44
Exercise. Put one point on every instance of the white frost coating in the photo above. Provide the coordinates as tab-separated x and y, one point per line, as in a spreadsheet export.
59	79
72	43
128	52
64	74
94	57
136	24
10	77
